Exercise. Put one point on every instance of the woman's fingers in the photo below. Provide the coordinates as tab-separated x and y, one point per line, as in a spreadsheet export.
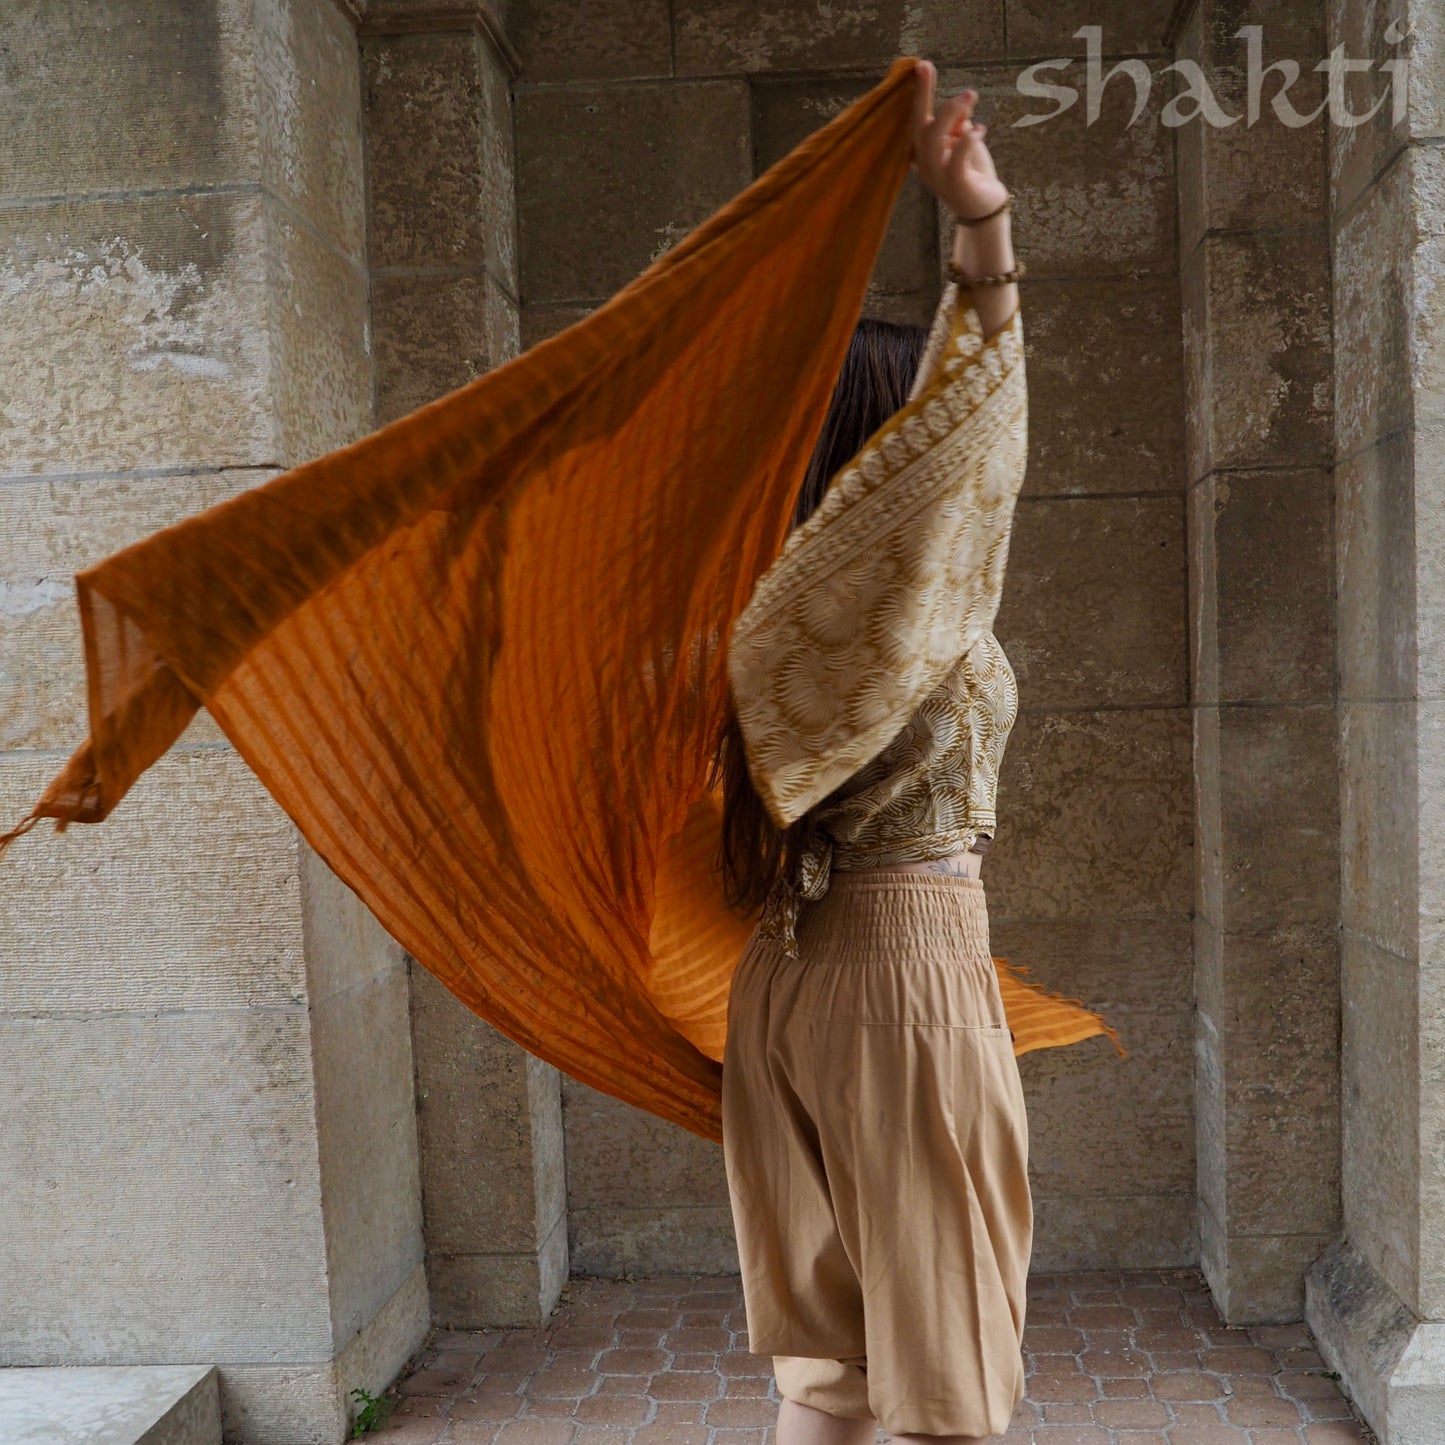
935	141
946	118
947	142
925	78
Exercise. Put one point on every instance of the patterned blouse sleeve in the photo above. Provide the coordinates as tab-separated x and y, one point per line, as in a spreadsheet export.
895	576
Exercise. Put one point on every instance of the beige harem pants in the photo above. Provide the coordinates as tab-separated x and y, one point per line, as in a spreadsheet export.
877	1149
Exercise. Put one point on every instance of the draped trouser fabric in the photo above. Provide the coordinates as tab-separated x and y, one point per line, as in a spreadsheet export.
876	1143
478	655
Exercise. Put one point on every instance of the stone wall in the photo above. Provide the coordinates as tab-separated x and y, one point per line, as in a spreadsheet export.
634	122
1376	1298
209	1151
1253	205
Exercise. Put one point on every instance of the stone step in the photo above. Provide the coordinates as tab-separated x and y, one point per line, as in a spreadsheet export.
111	1405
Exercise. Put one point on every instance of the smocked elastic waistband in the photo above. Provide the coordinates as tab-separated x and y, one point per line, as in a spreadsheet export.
901	914
894	877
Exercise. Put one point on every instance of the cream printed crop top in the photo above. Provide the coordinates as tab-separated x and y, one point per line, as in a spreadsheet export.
871	692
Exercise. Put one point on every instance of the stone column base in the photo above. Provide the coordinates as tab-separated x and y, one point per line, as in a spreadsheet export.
297	1400
491	1291
1391	1362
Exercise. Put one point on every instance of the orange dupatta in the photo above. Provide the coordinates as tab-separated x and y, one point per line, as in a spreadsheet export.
478	656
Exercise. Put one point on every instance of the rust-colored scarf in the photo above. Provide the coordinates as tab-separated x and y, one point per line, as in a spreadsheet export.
478	656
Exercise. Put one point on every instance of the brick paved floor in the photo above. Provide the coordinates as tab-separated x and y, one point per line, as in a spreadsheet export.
1137	1357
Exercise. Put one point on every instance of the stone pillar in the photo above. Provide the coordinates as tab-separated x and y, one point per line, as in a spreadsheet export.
442	241
209	1146
1088	878
1256	324
1376	1300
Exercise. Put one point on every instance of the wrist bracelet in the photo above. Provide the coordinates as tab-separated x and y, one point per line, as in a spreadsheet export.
979	220
1003	278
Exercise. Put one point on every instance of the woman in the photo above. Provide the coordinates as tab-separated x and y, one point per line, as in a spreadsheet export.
873	1118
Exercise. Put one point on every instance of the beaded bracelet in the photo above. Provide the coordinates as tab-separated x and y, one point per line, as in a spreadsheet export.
1003	278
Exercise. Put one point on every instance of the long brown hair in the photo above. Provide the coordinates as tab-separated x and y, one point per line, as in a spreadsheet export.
876	376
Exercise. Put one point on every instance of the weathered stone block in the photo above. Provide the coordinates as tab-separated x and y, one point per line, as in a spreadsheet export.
540	322
1127	1231
1269	349
1203	589
1430	747
217	1190
652	1239
1189	141
366	1141
1256	1279
1279	814
1279	1038
1427	374
1093	610
1097	1129
1393	1359
478	1093
1090	198
1208	819
157	82
1046	27
1194	334
52	530
1078	792
1427	95
643	1196
1375	571
436	333
916	308
572	40
439	142
154	308
712	36
311	1400
109	924
472	1291
1373	314
1264	615
423	132
321	371
1432	1140
1105	378
1380	832
149	124
1248	175
644	164
620	1156
222	314
1380	1061
1429	559
1360	152
307	80
125	1405
499	169
346	947
1211	1139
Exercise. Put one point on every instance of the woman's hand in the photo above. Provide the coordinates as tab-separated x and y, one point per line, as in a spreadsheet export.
953	162
948	150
